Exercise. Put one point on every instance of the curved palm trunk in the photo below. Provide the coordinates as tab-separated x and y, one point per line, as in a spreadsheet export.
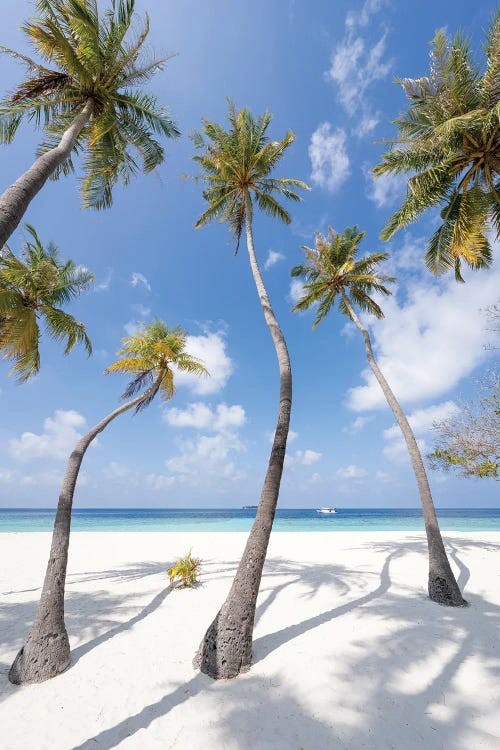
46	652
442	585
226	649
17	197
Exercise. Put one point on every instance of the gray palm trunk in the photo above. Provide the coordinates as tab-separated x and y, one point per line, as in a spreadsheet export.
442	585
46	652
226	649
16	199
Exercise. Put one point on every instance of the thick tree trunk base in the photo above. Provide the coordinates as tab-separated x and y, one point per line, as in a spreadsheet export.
43	657
445	591
226	649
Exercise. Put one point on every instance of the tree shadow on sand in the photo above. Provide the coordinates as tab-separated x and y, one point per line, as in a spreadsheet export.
393	706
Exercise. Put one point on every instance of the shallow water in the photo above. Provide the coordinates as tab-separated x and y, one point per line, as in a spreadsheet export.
212	519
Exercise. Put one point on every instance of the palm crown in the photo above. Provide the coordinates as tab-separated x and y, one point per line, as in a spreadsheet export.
450	139
91	58
152	356
332	270
237	163
31	288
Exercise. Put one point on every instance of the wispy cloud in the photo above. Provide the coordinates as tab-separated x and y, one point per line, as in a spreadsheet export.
138	279
357	63
385	190
351	472
329	158
103	286
273	258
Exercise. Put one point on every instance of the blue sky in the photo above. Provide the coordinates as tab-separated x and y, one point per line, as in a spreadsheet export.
325	70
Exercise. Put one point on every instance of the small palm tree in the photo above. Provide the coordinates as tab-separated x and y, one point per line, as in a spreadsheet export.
86	98
31	289
149	356
333	271
236	166
449	139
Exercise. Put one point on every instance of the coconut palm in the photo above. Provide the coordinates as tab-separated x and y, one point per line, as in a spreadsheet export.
149	357
32	288
236	166
333	271
449	140
85	96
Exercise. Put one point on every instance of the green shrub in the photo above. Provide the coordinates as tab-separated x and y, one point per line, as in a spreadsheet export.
186	569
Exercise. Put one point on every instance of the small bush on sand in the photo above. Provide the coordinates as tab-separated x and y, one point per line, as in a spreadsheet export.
186	570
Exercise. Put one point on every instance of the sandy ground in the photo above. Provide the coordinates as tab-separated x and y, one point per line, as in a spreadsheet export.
348	651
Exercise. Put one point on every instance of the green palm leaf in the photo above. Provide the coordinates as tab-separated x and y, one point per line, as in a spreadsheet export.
449	144
98	57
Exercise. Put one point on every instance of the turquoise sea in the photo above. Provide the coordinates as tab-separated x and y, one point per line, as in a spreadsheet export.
212	519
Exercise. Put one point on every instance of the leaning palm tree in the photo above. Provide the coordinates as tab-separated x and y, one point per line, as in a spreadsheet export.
236	166
32	288
85	95
149	356
333	271
449	140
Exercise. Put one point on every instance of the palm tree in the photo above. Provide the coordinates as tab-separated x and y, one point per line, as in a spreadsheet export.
32	288
332	272
149	356
236	166
87	101
449	140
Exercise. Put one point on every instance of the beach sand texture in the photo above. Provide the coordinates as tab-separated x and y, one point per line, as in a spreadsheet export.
348	651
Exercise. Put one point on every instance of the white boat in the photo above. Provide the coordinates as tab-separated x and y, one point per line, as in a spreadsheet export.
326	510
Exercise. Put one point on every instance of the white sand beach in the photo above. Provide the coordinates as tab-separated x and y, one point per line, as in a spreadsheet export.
348	652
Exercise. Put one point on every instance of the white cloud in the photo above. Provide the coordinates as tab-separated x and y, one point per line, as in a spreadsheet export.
201	416
273	258
139	279
207	457
351	472
210	348
142	310
362	17
357	424
104	285
367	124
355	65
132	328
329	159
304	458
159	482
296	291
385	190
115	470
397	452
58	439
428	342
421	421
383	476
7	476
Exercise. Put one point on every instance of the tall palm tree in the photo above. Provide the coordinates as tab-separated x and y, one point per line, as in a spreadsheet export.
86	98
149	356
31	289
449	140
236	166
333	271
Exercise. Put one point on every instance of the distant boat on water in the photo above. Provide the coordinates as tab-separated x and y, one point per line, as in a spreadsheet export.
326	510
250	507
